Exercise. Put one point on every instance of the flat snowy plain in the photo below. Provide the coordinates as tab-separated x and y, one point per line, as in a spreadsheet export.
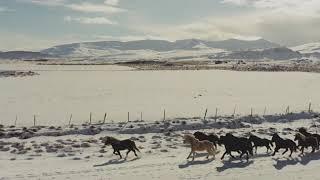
60	91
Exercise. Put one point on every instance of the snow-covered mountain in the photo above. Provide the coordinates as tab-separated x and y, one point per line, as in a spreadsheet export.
280	53
105	48
308	48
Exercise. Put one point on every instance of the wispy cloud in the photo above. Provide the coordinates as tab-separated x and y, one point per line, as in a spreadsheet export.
45	2
95	8
90	20
5	9
106	7
290	7
112	2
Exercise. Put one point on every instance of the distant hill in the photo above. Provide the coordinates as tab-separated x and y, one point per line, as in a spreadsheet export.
108	47
23	55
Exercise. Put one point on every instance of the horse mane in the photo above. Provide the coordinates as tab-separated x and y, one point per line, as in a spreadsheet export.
303	137
109	138
113	138
302	129
276	135
190	138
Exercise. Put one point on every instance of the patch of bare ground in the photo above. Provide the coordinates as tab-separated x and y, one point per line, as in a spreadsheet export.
223	65
17	73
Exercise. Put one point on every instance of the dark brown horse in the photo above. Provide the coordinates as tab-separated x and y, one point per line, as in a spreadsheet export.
306	133
119	145
238	144
259	142
283	144
306	141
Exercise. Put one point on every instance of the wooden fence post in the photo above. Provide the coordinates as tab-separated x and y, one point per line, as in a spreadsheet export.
309	109
128	116
90	118
34	120
70	119
164	115
234	110
205	114
15	122
104	118
216	115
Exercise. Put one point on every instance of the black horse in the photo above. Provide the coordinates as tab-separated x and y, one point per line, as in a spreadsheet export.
283	144
211	137
306	133
238	144
306	141
259	142
118	145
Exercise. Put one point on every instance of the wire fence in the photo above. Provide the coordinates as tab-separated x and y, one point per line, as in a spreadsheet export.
74	118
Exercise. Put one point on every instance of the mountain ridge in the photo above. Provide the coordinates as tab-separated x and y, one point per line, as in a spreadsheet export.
73	49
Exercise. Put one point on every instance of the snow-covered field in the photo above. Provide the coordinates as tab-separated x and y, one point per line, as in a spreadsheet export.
60	91
163	156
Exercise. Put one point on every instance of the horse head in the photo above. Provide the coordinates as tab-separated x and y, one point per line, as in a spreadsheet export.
275	137
107	140
213	138
299	136
188	138
221	140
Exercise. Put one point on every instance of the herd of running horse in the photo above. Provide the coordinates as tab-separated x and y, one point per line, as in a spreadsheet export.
200	141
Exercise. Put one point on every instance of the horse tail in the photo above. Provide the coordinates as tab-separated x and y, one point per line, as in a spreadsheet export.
317	143
295	147
214	149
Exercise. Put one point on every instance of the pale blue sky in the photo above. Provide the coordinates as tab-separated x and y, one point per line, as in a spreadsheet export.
38	24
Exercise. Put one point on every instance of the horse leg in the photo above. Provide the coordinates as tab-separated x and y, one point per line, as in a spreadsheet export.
134	151
285	151
127	153
241	155
302	149
256	149
231	155
193	155
119	154
209	151
291	150
223	155
275	150
190	154
247	156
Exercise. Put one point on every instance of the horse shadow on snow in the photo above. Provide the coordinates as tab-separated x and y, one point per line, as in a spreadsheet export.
233	164
195	162
303	160
116	161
